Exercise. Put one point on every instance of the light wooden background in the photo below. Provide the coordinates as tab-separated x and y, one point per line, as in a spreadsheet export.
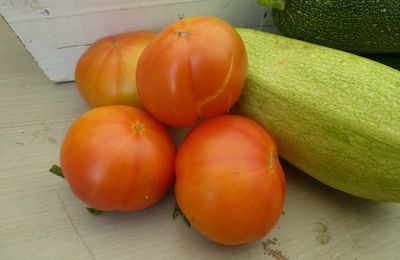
41	219
57	32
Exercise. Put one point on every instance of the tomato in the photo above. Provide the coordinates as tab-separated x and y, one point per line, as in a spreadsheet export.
195	67
229	182
118	158
106	72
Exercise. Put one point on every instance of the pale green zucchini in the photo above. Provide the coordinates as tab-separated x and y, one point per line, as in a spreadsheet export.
334	115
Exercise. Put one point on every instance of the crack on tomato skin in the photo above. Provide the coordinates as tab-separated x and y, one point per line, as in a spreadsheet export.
271	160
228	104
190	60
219	91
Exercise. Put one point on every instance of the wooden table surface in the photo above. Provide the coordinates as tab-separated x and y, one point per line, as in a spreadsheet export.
41	219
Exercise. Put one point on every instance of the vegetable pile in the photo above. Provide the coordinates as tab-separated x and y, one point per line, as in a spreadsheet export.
246	95
119	156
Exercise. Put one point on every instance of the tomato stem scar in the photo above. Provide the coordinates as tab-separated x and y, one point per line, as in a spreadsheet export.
138	127
183	34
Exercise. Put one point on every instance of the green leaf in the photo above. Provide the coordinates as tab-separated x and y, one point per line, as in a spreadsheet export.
278	4
178	213
57	170
94	211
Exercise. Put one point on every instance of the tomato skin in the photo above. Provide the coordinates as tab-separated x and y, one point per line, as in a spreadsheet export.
229	182
106	72
196	67
118	158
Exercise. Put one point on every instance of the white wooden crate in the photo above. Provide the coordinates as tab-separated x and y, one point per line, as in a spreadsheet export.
56	32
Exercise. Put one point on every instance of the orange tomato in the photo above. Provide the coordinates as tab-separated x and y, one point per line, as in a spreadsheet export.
229	182
196	67
118	158
106	72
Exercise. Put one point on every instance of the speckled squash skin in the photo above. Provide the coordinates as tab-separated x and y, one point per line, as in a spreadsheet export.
362	26
333	114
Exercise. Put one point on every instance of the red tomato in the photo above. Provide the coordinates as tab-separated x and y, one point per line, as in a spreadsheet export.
195	67
106	72
229	182
118	158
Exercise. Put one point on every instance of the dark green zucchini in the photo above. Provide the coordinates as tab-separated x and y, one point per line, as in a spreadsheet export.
360	26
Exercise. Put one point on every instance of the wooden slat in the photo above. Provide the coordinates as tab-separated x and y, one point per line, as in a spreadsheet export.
57	32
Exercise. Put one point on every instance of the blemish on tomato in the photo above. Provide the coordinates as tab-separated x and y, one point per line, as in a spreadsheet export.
116	45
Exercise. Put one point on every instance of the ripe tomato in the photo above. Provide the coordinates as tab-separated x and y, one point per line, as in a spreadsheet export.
106	72
118	158
229	182
195	67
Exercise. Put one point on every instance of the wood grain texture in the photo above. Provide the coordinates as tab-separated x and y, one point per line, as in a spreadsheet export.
41	218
